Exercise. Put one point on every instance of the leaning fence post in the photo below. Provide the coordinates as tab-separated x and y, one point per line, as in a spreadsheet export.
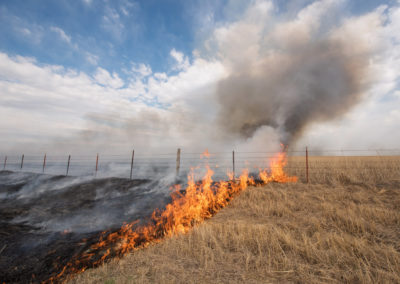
97	164
5	163
178	160
44	162
307	164
233	164
69	159
133	155
22	161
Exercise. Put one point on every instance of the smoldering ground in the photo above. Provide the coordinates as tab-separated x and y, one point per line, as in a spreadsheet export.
45	218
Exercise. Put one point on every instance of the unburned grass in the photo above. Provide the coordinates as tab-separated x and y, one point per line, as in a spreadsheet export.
342	227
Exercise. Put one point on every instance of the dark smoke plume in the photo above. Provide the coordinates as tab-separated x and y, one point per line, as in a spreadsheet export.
318	81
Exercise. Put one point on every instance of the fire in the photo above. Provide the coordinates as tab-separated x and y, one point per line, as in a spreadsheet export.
277	173
205	154
200	201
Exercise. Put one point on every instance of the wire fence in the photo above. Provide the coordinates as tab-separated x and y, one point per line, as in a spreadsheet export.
148	165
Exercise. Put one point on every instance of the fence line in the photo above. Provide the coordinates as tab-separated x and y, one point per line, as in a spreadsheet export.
220	160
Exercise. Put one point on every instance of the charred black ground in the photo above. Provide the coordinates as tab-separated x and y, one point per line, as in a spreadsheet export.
45	218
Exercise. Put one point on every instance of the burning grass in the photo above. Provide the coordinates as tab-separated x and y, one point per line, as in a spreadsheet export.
343	227
199	201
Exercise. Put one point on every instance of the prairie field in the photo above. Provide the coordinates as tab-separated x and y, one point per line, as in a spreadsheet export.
341	227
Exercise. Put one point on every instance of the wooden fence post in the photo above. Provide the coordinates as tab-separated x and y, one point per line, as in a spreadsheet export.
178	161
44	162
133	155
307	164
69	159
233	164
5	163
22	161
97	164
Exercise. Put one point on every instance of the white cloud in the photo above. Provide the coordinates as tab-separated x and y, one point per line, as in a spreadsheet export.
160	76
104	78
182	61
45	102
141	69
61	34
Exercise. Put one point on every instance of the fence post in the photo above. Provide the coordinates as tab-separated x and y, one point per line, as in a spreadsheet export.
307	164
5	163
133	155
97	164
44	162
233	164
178	160
69	159
22	161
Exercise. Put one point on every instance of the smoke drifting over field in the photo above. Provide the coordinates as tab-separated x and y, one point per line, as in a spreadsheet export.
256	78
298	72
316	82
44	218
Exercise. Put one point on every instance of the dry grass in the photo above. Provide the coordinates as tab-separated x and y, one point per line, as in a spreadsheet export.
343	227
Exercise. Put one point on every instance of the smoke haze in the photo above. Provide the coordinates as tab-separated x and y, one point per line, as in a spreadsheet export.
312	83
259	78
296	73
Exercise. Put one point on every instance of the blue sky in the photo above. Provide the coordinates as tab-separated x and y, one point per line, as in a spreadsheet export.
112	34
131	69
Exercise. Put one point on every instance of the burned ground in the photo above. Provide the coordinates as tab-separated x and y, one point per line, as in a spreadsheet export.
45	218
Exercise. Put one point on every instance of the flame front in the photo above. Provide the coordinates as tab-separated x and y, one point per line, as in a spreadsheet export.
277	174
200	201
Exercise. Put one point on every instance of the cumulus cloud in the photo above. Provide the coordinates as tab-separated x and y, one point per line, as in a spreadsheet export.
141	69
254	68
182	61
103	77
53	108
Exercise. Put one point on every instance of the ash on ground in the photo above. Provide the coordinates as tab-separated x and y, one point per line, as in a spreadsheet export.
43	218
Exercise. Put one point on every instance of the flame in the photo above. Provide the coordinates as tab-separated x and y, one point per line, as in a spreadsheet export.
205	154
277	174
200	201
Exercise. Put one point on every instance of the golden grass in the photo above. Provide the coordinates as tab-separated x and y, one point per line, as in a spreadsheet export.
342	227
332	170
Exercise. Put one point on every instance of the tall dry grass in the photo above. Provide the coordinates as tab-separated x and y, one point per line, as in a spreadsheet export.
343	227
332	170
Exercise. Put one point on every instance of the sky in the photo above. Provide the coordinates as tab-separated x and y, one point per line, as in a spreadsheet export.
102	75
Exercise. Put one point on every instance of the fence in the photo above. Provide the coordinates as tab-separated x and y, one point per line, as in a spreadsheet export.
136	165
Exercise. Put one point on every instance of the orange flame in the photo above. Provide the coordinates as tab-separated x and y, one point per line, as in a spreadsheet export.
200	201
276	168
205	154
